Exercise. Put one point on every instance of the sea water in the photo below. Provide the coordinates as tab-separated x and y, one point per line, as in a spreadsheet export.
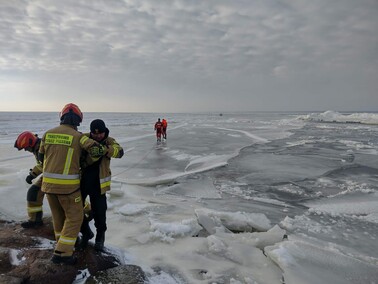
263	197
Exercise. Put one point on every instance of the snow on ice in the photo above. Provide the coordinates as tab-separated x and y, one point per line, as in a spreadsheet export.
237	198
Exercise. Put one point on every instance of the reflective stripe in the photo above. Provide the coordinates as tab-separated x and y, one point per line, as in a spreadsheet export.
35	209
57	235
60	176
39	167
115	151
105	179
67	165
61	181
83	139
105	182
67	240
58	139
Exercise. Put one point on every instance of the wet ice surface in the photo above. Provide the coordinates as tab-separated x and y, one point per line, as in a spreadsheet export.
215	202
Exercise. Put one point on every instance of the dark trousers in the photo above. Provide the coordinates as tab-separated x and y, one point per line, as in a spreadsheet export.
90	185
35	201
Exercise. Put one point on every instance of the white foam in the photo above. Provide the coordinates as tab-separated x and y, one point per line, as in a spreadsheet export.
333	116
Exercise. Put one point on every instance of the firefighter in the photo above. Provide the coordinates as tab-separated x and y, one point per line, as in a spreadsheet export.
165	125
60	152
158	128
30	142
95	182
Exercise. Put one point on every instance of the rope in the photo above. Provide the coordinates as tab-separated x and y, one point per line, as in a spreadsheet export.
137	163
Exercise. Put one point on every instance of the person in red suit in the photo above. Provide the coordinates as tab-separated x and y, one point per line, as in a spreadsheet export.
158	128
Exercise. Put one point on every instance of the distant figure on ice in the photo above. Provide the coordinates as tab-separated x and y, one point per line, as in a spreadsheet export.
95	182
30	142
165	125
60	152
158	128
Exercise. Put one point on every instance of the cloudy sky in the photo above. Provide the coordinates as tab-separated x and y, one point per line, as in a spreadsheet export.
189	55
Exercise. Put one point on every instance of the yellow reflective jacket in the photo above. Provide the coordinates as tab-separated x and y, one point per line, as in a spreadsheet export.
62	147
114	150
37	169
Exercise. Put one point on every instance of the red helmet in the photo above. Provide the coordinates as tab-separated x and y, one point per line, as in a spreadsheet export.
25	139
71	108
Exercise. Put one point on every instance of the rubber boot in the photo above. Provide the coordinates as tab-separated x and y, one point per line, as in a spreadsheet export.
87	234
33	224
100	239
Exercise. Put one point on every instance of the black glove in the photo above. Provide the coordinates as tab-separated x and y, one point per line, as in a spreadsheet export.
121	153
97	151
29	178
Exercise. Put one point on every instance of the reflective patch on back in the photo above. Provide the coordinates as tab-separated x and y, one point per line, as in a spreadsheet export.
58	139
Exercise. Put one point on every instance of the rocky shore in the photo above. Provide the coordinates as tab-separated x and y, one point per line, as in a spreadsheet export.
25	259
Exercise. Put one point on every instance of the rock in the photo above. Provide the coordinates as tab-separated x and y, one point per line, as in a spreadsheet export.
95	261
10	280
5	265
43	271
130	274
10	237
25	257
46	231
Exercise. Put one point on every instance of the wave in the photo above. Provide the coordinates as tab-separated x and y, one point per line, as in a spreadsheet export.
336	117
205	164
248	134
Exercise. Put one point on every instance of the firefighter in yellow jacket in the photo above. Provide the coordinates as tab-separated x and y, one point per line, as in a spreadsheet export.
30	142
60	152
95	182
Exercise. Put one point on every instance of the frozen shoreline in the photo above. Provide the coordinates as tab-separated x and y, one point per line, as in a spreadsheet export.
214	202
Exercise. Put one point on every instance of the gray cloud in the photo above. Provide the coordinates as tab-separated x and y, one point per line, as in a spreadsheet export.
265	52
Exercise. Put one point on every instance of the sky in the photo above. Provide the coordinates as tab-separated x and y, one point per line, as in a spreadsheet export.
189	56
